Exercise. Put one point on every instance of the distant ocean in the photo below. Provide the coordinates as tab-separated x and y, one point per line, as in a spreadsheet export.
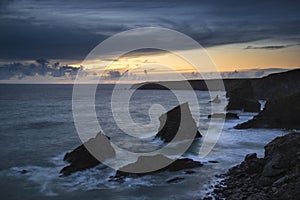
37	129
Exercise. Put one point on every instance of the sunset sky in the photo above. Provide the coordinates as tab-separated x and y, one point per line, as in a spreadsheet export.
238	35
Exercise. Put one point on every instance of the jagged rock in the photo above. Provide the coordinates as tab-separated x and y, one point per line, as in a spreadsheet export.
251	156
247	105
276	176
281	112
271	86
81	159
149	164
178	121
224	115
215	100
213	161
175	180
243	90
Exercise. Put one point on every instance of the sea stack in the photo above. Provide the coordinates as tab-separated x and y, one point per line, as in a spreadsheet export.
81	158
178	120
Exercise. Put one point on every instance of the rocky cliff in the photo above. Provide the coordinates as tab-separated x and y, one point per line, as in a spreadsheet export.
276	176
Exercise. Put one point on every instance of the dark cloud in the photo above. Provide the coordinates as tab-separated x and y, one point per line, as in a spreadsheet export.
70	29
41	68
269	47
21	40
114	74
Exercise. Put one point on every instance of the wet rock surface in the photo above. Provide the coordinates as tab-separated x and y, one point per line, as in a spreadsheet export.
148	165
241	97
178	121
215	100
224	115
271	86
281	112
81	159
276	176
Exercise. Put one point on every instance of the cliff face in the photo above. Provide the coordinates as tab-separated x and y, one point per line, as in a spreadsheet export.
273	85
179	121
283	112
276	176
279	84
81	159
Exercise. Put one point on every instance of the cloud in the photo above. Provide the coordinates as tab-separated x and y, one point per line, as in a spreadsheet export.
114	74
268	47
70	29
40	68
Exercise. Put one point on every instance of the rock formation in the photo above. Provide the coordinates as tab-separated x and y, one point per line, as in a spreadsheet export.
283	112
224	115
81	159
150	162
241	97
178	121
271	86
215	100
276	176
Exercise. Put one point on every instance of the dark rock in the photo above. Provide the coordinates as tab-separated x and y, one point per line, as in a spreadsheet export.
223	115
190	172
178	121
247	105
175	180
242	90
251	156
277	84
271	86
81	159
24	171
276	176
215	100
213	161
241	97
281	112
149	164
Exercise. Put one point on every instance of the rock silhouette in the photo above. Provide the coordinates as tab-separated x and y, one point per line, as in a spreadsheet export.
283	112
178	120
276	176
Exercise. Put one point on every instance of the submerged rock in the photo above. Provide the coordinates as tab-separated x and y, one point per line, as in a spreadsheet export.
224	115
281	112
178	121
175	180
276	176
149	163
216	100
81	159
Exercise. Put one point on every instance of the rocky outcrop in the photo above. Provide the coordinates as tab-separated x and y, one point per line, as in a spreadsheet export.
215	100
277	84
281	112
271	86
177	125
241	98
276	176
178	121
247	105
148	163
81	159
224	115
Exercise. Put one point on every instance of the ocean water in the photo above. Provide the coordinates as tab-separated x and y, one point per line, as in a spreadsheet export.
37	129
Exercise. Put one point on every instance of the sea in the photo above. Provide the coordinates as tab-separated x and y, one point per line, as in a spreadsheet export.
37	128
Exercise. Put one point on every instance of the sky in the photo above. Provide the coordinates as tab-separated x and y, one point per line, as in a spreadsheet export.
47	41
